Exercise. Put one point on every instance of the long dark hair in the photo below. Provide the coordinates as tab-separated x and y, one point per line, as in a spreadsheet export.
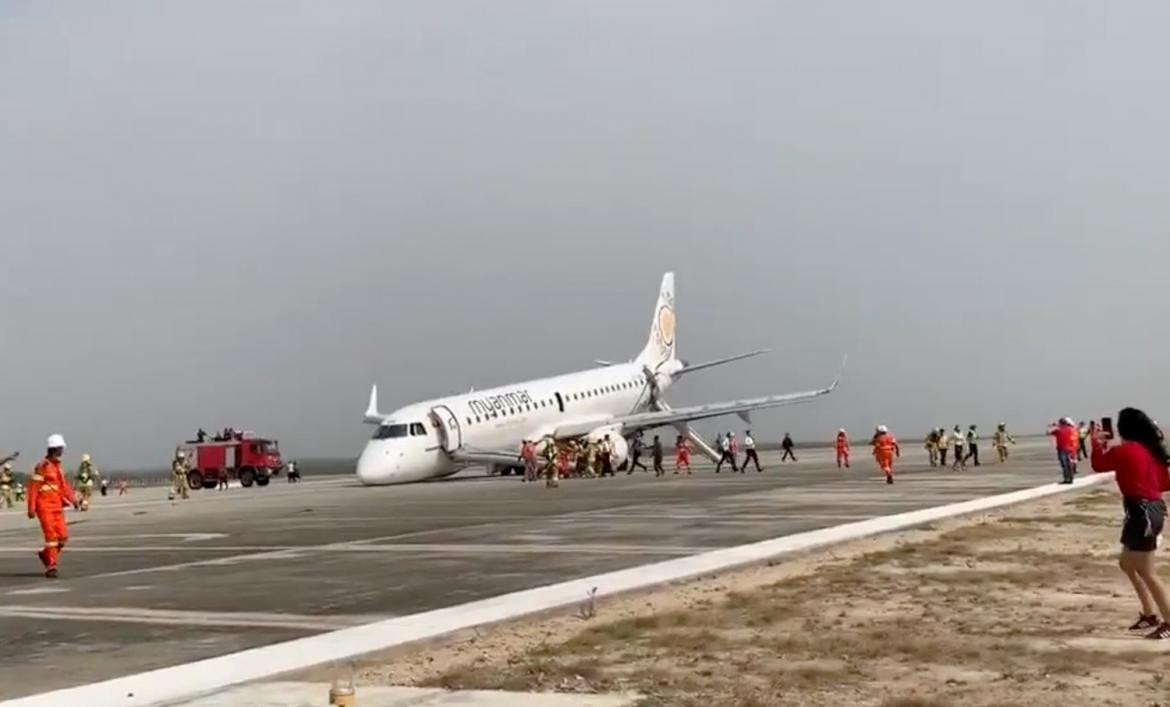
1135	426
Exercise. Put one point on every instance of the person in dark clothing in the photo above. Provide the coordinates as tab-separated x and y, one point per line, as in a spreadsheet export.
656	453
635	454
972	445
201	436
787	445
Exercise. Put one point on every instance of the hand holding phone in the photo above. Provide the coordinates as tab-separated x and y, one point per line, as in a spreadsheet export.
1107	427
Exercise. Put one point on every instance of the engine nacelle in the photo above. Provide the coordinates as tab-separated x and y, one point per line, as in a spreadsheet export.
621	449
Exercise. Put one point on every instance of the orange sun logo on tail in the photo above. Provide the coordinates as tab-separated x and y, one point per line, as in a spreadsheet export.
666	325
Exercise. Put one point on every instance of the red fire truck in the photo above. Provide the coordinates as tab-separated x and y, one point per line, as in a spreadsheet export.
245	457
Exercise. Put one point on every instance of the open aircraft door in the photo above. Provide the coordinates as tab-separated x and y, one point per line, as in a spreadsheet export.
449	429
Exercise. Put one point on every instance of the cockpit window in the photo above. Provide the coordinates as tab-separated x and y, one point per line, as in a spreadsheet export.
390	431
418	429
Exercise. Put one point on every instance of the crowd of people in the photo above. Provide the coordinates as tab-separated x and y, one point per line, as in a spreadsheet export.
597	457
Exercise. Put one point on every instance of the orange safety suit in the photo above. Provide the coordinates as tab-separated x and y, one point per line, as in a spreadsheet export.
47	492
842	450
885	448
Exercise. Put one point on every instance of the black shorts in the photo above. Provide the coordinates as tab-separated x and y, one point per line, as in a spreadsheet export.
1143	524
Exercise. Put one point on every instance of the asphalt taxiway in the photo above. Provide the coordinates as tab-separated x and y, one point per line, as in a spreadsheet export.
147	583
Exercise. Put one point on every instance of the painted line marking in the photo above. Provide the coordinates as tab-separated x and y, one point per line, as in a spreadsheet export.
38	591
183	682
118	614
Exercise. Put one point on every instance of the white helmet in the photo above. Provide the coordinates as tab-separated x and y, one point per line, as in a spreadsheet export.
841	431
55	442
7	466
1066	420
180	454
883	428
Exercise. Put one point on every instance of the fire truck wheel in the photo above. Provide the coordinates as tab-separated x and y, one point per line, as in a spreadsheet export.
247	476
194	480
262	480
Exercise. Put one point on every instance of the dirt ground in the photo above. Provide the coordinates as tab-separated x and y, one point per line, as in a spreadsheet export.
1024	606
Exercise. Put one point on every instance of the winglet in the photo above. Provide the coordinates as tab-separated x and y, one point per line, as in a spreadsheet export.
840	373
372	416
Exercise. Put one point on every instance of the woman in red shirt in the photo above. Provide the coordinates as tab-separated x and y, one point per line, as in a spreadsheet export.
1140	463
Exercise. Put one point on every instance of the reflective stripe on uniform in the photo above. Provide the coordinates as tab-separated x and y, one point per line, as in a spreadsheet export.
37	477
50	543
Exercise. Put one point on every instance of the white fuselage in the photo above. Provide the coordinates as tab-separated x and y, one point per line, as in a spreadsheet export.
417	442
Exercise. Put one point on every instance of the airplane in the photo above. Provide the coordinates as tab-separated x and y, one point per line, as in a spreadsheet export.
437	438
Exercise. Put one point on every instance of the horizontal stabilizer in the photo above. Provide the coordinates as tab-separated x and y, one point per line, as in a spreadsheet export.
718	362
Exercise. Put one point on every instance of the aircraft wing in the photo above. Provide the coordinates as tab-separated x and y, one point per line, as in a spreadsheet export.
647	420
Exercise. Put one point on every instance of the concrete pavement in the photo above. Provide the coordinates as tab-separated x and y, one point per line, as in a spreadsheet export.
148	584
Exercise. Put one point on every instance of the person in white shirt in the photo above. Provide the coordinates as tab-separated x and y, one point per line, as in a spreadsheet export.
725	453
749	451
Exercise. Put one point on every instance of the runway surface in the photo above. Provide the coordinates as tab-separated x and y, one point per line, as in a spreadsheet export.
146	583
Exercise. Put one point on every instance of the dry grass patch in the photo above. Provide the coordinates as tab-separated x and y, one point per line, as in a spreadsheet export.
1019	610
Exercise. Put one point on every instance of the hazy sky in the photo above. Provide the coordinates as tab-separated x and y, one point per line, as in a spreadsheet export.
245	213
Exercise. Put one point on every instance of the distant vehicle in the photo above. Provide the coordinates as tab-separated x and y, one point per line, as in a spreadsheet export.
250	459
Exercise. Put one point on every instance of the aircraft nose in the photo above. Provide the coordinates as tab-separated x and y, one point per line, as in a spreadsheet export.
373	466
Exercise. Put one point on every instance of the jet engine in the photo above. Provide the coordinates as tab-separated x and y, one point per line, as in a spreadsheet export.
621	449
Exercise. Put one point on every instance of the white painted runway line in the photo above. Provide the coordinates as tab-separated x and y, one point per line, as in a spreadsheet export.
234	619
190	680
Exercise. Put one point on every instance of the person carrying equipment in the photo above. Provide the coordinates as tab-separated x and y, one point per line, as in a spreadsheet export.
179	476
842	448
7	480
86	475
885	448
49	490
1001	440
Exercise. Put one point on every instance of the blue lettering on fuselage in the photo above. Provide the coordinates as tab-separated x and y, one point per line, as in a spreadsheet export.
485	406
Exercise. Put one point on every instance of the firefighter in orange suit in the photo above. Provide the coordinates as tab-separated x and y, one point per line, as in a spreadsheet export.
885	448
48	490
842	448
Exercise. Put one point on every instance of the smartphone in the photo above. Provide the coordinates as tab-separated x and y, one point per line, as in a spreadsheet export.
1107	426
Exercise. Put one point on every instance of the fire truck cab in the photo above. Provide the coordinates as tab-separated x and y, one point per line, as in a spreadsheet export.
248	458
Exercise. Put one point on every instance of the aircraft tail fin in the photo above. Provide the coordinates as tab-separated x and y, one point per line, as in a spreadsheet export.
661	346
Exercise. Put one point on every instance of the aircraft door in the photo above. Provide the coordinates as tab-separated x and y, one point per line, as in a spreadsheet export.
449	429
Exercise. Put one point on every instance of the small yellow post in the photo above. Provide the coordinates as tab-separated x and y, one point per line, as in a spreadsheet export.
343	691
